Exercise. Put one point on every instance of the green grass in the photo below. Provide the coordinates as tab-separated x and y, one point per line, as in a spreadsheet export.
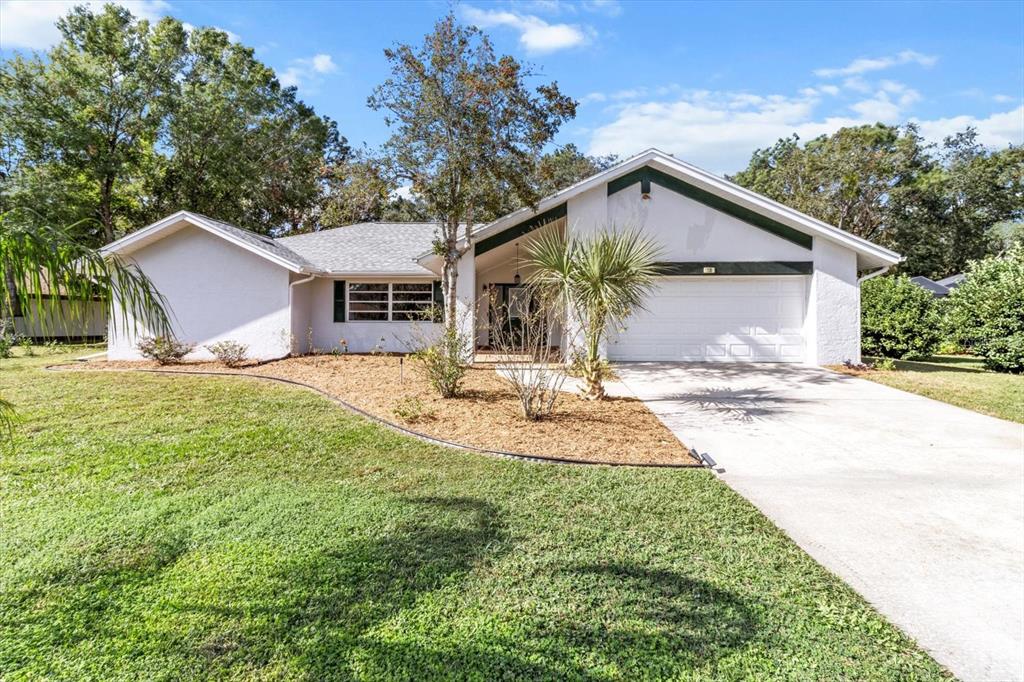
961	381
167	528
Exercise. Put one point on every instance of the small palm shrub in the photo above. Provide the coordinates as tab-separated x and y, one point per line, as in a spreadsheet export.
164	349
898	318
231	353
986	312
600	280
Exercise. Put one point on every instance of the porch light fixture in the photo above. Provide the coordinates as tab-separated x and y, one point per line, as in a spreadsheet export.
517	279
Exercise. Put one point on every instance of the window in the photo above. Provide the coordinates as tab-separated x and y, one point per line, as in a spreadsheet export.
381	302
411	301
367	301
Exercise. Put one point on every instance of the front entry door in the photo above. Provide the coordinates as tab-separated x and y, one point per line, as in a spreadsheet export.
508	304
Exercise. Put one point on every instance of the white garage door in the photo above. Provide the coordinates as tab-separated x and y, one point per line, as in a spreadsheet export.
743	319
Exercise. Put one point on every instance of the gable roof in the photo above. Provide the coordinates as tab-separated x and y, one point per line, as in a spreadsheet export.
931	286
952	281
870	254
268	248
366	248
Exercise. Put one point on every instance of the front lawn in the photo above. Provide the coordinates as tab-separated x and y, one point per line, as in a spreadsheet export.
160	527
958	380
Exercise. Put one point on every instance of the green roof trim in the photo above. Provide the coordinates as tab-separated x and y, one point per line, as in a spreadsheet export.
735	268
519	229
647	175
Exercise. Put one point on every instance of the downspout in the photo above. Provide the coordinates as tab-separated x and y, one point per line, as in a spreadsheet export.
873	273
291	311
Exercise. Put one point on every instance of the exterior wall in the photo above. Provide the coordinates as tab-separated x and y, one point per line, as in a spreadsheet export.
832	324
41	324
215	291
302	310
690	231
360	337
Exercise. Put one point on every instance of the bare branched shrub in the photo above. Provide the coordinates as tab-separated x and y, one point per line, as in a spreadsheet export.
231	353
165	350
520	337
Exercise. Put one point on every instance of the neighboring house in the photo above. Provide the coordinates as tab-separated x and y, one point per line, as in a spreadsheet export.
938	288
53	318
952	282
747	279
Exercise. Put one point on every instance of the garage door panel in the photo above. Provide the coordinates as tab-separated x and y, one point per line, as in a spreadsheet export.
717	319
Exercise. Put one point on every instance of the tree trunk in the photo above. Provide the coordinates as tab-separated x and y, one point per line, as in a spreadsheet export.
106	210
593	371
449	280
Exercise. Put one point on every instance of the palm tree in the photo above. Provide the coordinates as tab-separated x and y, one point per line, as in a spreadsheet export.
601	279
39	260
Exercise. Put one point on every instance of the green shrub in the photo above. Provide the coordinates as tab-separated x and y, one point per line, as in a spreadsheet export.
6	344
986	312
444	362
166	351
898	318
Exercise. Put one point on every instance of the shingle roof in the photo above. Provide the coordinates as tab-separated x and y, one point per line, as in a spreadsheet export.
365	248
272	246
952	281
932	287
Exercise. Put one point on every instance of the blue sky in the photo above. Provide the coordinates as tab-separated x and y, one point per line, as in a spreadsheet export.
707	82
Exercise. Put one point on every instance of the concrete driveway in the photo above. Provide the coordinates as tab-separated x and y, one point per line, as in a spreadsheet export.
917	504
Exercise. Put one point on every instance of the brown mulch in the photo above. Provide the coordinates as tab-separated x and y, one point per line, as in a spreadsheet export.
616	430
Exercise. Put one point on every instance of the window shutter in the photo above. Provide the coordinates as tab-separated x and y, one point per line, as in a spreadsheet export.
339	300
439	297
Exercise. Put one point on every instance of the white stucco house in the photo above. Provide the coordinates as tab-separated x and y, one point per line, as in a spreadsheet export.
746	278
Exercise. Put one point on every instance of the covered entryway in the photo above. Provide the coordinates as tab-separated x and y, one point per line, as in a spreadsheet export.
725	319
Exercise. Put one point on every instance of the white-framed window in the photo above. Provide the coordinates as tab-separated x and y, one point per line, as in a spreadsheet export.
389	301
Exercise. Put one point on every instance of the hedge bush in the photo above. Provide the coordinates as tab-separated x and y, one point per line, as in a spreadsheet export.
898	318
986	312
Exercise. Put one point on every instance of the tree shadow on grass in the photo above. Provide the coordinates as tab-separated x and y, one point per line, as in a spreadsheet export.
613	620
387	604
389	607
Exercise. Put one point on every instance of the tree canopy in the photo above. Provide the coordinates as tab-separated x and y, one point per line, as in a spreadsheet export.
938	205
467	131
124	120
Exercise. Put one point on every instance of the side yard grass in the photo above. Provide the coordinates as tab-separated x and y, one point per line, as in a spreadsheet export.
958	380
162	528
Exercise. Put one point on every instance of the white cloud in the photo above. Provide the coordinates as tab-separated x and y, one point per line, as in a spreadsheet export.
1004	99
866	64
997	130
535	34
322	63
719	130
30	24
611	8
307	72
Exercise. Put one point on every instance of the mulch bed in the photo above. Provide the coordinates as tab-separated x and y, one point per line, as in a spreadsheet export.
616	430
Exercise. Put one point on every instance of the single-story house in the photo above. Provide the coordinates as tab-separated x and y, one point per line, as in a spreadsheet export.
746	278
51	317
